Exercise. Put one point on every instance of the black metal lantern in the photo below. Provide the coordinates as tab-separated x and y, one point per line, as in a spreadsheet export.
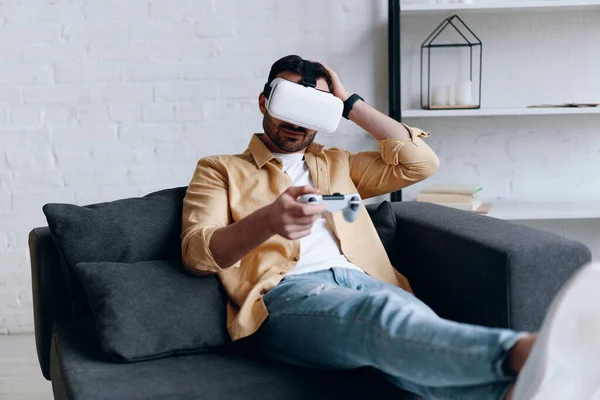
462	96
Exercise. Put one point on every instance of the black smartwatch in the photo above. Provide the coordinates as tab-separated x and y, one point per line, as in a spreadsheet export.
349	103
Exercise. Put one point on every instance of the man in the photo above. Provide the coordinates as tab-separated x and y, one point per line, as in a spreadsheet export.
316	291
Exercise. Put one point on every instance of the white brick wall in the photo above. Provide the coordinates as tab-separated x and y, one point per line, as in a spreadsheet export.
105	99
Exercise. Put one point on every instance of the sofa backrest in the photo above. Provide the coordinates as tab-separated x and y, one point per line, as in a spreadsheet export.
129	230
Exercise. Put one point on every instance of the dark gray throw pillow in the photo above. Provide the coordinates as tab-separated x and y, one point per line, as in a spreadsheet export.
384	219
153	309
128	230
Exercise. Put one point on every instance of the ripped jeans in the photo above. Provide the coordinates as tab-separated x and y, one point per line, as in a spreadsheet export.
345	319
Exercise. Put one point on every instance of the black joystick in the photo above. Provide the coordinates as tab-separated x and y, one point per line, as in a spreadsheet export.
354	203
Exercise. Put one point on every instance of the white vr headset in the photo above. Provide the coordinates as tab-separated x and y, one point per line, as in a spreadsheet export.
302	104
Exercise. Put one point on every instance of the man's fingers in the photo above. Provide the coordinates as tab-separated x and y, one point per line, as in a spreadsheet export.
294	229
306	220
312	209
322	63
297	219
300	234
305	210
297	191
302	227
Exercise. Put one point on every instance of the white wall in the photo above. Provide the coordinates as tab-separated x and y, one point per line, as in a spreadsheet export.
105	99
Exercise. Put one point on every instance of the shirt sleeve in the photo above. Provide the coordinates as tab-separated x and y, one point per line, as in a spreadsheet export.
398	163
205	209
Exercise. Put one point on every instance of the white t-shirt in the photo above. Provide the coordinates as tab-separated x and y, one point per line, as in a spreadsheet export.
319	250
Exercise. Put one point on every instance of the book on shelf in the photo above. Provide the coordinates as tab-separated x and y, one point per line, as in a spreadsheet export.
461	197
472	206
453	189
447	197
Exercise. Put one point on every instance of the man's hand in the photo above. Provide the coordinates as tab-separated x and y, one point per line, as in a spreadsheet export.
338	86
291	219
379	125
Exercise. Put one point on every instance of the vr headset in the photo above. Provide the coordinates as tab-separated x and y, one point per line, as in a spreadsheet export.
302	103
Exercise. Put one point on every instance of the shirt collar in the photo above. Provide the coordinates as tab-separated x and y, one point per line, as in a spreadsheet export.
262	155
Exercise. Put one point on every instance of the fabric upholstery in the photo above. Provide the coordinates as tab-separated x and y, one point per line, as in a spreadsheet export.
128	230
482	270
153	309
469	268
384	220
50	300
80	372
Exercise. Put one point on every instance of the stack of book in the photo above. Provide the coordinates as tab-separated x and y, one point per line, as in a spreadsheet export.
462	197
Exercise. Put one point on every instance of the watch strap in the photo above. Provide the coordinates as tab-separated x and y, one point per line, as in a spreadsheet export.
349	103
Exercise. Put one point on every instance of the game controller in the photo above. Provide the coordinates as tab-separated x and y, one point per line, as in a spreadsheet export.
349	204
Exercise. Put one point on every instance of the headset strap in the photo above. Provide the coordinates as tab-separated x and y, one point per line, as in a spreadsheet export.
309	76
267	90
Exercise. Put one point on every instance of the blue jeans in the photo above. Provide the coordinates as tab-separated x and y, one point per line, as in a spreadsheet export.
345	319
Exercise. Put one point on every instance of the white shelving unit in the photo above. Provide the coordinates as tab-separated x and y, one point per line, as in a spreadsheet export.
500	6
485	6
494	112
511	210
551	210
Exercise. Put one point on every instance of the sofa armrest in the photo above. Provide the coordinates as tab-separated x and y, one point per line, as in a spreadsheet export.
50	300
481	270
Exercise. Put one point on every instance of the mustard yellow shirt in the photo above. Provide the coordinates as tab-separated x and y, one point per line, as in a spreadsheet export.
227	188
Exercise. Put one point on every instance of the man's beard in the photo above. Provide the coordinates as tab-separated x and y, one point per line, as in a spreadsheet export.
278	136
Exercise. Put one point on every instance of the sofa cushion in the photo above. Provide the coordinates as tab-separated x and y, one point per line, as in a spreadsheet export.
384	220
78	369
153	309
129	230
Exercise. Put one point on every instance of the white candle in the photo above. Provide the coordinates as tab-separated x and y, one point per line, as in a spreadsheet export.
452	95
439	96
464	93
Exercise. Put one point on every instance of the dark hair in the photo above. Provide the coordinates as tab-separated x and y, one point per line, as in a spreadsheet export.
296	64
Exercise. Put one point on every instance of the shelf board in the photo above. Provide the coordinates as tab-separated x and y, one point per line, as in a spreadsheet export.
492	112
544	210
479	6
551	210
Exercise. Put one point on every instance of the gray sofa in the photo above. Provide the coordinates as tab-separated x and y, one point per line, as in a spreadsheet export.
101	343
